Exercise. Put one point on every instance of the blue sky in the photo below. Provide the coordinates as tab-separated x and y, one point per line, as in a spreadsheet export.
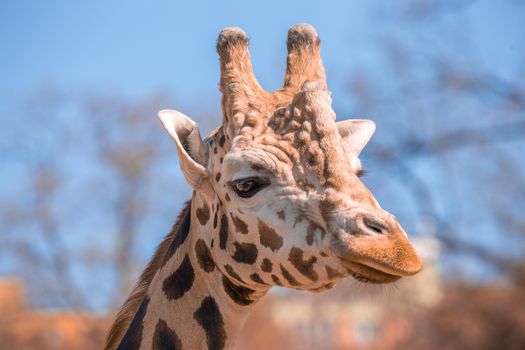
135	48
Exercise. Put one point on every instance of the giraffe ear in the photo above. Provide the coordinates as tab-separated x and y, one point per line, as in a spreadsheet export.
356	133
190	148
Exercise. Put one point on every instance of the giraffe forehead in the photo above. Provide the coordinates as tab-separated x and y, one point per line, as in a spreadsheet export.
311	153
255	159
299	142
316	151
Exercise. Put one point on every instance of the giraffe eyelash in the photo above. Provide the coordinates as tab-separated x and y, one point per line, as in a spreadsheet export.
361	172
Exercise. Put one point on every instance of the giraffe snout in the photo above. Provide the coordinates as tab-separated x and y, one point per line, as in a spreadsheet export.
374	238
378	223
372	222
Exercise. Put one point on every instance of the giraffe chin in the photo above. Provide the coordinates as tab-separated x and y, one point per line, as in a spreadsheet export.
367	274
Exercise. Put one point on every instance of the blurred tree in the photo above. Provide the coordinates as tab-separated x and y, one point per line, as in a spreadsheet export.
74	218
127	148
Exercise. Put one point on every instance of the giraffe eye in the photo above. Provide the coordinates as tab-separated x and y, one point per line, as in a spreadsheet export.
249	186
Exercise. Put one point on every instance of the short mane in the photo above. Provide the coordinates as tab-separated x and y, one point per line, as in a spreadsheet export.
129	308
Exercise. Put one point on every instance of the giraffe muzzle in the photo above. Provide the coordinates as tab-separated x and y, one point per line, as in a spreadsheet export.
373	247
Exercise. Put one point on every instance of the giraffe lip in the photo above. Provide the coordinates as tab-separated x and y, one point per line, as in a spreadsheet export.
369	274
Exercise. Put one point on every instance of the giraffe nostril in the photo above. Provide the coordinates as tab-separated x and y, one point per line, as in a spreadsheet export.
375	225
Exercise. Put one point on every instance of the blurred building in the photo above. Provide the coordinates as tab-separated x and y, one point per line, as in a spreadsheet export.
25	328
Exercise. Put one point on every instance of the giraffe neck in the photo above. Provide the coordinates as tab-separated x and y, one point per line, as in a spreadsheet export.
191	303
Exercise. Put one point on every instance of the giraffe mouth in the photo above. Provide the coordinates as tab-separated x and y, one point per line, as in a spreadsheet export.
367	274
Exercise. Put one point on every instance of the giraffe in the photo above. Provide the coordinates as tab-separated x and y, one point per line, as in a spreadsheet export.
277	201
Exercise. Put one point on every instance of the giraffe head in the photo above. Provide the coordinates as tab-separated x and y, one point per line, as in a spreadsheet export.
280	179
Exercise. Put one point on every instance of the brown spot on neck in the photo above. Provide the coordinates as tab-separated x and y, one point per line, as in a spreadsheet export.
239	294
245	253
276	280
257	279
288	276
209	317
204	256
223	232
165	337
203	214
180	281
231	272
266	265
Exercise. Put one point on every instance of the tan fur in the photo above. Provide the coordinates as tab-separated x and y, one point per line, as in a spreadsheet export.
130	306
